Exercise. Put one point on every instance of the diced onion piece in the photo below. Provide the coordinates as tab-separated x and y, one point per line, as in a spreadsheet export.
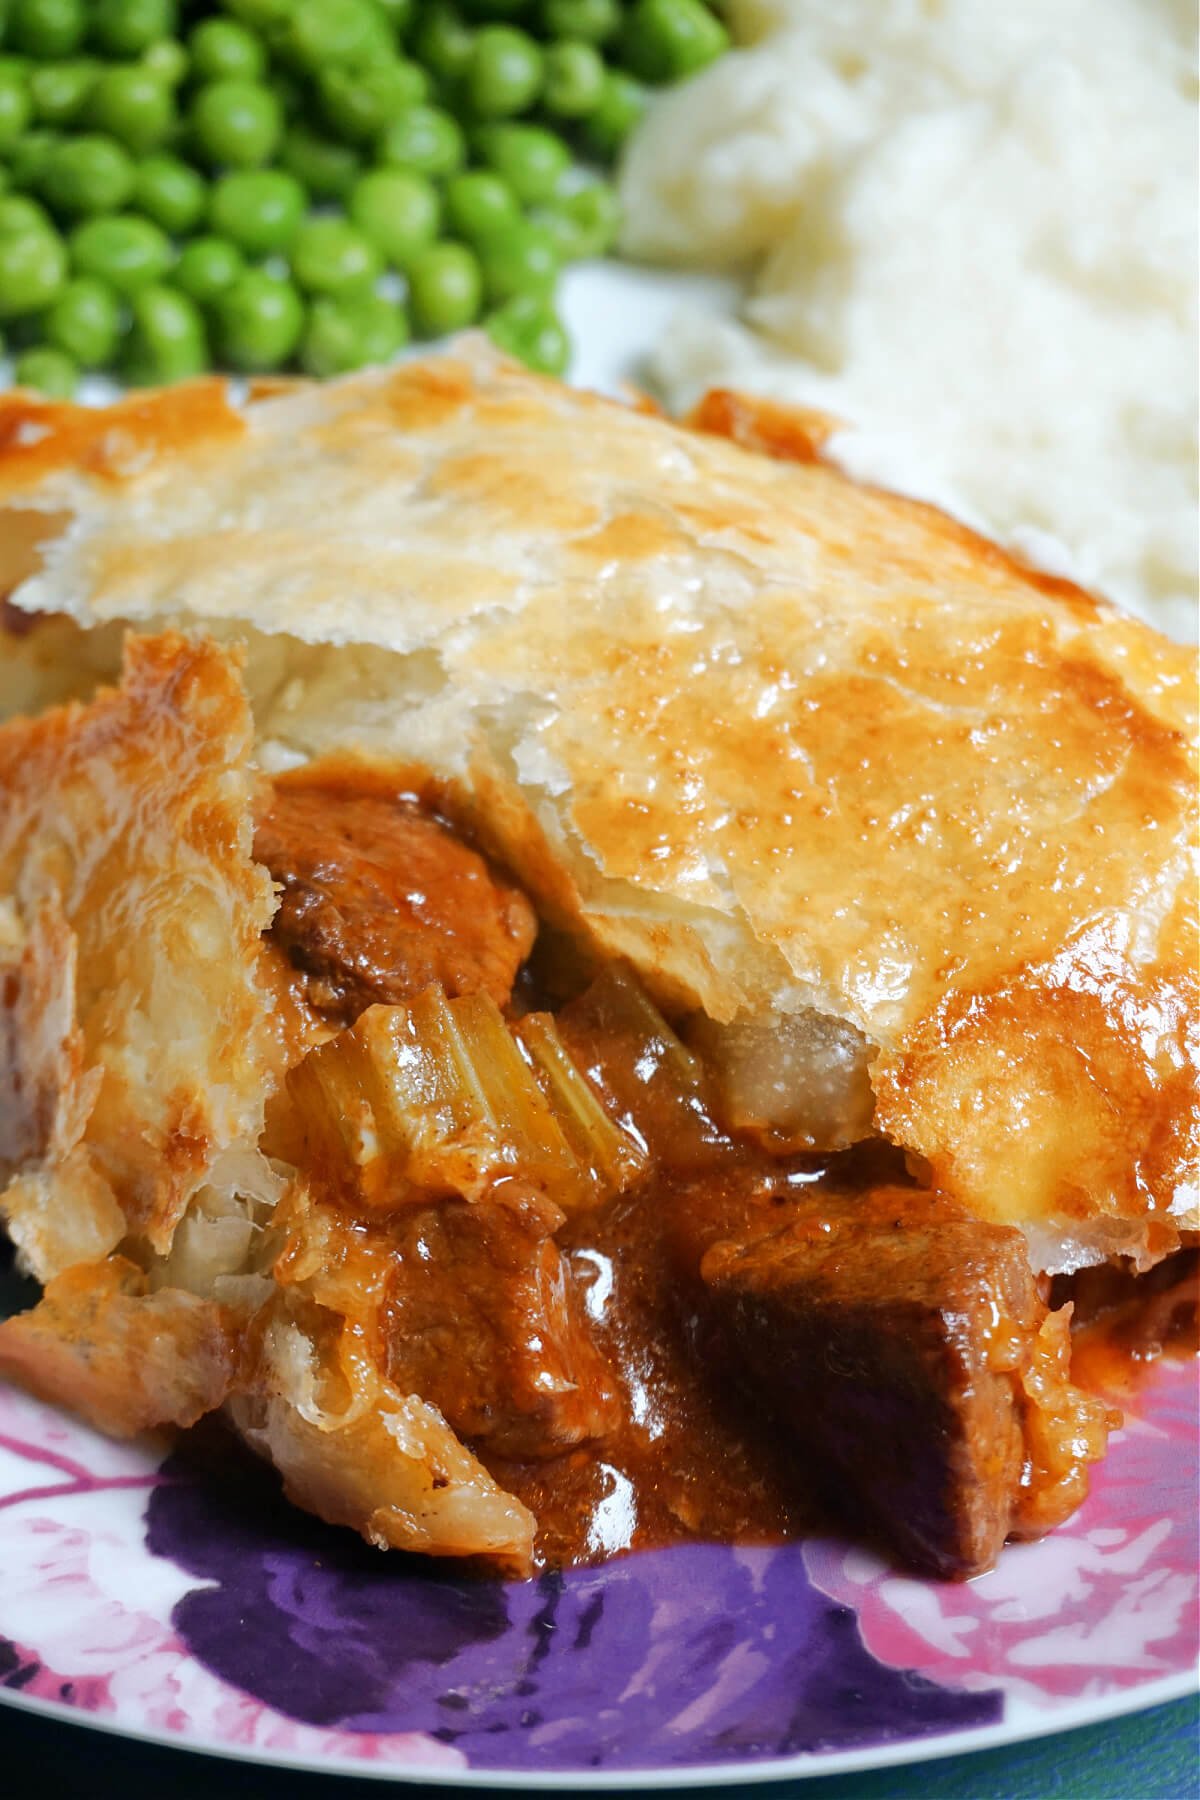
1065	1429
358	1451
436	1097
800	1081
610	1155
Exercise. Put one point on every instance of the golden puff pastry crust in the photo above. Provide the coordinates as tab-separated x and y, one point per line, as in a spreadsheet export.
136	1043
786	743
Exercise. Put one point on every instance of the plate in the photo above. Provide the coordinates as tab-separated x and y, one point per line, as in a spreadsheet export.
184	1602
192	1605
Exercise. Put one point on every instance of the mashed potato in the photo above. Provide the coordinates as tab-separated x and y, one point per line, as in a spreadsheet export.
969	231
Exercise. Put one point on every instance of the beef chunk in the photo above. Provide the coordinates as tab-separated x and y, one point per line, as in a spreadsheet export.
482	1319
889	1334
380	899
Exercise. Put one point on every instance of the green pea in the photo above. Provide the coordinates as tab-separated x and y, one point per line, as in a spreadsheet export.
667	39
171	193
358	103
16	110
581	21
18	213
331	256
425	140
60	91
47	28
127	27
521	259
583	224
236	122
504	74
206	267
125	251
168	60
399	212
574	80
443	42
166	339
616	113
257	209
33	267
223	50
445	289
87	175
479	203
530	160
258	320
324	33
85	321
134	106
326	169
352	332
50	371
527	328
29	155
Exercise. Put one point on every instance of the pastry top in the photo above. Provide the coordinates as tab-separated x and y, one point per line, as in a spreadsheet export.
783	741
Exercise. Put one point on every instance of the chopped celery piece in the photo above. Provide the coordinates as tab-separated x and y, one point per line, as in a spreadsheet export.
437	1097
624	998
611	1155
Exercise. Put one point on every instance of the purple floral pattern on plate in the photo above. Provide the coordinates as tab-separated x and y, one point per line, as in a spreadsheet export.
694	1655
172	1602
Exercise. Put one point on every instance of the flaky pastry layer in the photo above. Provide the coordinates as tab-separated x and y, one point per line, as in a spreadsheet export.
783	742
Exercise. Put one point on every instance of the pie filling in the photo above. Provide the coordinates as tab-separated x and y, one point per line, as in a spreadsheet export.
659	1277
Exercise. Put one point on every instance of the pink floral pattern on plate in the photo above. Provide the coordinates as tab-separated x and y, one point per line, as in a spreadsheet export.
87	1610
1109	1601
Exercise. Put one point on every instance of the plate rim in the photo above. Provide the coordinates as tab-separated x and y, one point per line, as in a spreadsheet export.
807	1765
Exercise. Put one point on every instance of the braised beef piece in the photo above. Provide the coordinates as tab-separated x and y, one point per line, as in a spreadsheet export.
380	899
482	1319
883	1331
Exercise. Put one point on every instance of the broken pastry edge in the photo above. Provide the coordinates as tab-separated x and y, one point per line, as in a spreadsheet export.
125	831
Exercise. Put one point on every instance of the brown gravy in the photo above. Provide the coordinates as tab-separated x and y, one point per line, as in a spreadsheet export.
688	1454
684	1460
